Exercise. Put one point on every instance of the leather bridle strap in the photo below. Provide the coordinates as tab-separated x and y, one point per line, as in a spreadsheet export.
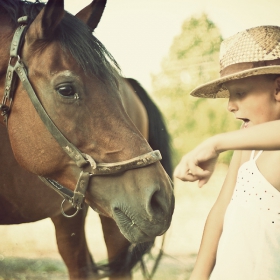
10	80
77	196
85	162
68	147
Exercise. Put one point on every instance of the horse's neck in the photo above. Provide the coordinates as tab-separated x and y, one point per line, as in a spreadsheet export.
134	107
4	139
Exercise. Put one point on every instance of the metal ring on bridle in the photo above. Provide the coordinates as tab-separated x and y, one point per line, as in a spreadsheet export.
64	214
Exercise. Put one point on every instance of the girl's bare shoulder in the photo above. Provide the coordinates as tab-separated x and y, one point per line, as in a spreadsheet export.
269	165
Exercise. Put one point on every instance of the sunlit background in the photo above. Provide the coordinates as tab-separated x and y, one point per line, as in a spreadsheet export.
169	46
139	33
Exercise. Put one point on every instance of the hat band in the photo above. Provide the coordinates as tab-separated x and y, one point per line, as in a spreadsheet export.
238	67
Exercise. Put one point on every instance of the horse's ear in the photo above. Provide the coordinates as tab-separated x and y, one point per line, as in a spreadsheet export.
92	13
46	21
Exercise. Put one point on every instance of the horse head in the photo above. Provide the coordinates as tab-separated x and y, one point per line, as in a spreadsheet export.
74	79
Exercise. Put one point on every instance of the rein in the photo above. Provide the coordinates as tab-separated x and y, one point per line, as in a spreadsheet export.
85	162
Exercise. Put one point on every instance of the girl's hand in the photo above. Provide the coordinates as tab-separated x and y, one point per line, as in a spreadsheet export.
198	164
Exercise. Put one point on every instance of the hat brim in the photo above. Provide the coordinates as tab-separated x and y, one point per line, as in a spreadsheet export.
216	88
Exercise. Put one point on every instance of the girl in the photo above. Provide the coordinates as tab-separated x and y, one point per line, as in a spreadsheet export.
241	239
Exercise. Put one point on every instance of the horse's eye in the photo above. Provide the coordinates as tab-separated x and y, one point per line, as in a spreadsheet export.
66	91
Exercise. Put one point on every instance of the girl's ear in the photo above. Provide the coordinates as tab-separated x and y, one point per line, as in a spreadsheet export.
277	89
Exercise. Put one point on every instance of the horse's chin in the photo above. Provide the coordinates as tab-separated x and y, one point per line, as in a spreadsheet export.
134	234
131	229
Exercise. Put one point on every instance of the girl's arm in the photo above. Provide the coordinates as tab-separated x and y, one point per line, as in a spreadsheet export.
200	162
214	224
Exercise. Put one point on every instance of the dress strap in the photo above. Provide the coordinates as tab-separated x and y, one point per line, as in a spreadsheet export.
252	154
257	156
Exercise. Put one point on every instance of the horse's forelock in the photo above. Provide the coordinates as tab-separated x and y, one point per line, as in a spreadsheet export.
88	51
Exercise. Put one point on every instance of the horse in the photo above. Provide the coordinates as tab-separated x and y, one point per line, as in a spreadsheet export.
75	97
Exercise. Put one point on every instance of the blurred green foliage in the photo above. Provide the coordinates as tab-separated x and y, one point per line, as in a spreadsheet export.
13	268
193	59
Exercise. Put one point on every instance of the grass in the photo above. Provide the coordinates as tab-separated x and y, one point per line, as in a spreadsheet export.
32	269
40	269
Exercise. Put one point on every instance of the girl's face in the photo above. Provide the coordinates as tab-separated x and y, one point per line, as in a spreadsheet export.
254	100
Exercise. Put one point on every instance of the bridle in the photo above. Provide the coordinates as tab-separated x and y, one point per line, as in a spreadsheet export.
85	162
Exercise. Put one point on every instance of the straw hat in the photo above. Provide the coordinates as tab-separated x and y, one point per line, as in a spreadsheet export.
255	51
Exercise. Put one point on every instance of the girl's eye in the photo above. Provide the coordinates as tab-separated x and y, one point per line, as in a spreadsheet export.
240	94
66	91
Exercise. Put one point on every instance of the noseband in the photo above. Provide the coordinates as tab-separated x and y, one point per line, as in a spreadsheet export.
85	162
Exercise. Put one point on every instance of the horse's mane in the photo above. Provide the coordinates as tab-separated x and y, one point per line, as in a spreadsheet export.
159	138
74	36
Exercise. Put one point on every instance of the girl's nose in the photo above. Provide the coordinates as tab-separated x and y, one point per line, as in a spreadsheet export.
232	106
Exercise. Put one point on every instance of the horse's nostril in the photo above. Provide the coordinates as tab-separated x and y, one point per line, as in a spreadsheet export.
155	203
155	206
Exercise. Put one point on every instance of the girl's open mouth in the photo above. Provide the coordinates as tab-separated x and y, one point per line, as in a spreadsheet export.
245	122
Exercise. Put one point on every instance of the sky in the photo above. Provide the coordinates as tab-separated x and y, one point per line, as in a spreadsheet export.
139	33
